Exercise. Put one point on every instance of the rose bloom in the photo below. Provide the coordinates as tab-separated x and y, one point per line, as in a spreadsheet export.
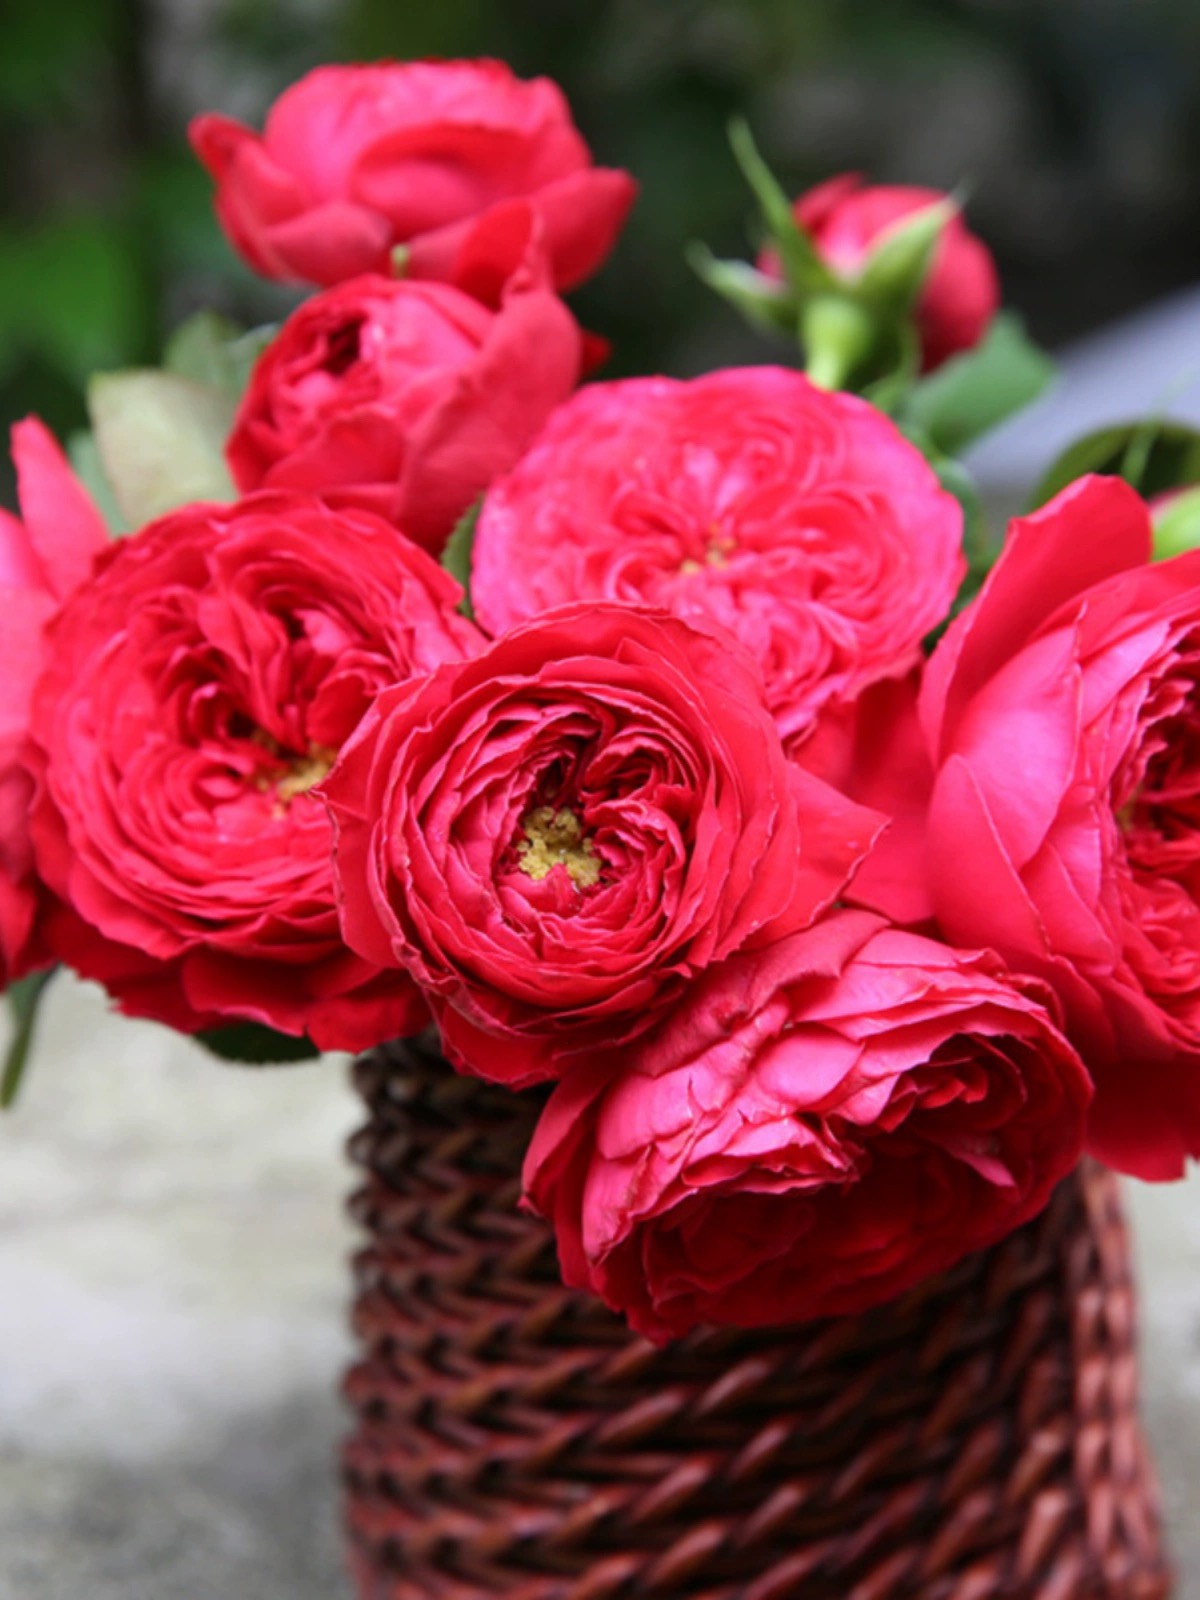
556	838
821	1125
404	398
845	219
800	520
459	161
44	556
1064	828
194	693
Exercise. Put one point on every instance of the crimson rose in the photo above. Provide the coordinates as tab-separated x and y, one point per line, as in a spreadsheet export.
556	838
43	558
404	398
822	1124
194	693
459	161
802	521
846	218
1064	828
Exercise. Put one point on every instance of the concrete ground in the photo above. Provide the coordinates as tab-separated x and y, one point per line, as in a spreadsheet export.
172	1293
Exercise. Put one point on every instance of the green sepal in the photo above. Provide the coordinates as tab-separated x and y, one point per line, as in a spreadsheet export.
765	303
161	440
1154	455
802	267
456	554
253	1045
1177	525
210	349
24	1001
974	392
838	336
894	272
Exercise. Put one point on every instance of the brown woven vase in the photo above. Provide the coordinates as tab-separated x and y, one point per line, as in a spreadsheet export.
976	1440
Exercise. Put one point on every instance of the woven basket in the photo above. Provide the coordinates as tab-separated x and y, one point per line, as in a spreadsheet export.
975	1440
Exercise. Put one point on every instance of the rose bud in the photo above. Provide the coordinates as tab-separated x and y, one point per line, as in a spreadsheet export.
556	838
195	693
1064	827
404	398
44	556
819	1126
846	219
460	162
800	520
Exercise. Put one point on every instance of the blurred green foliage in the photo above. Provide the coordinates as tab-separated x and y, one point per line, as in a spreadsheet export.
1078	120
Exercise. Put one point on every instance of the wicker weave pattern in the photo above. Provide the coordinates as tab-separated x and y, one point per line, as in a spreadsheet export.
977	1440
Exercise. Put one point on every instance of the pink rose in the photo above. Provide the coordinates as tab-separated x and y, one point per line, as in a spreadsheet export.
822	1124
802	521
43	558
404	398
845	219
459	161
1064	828
556	838
195	692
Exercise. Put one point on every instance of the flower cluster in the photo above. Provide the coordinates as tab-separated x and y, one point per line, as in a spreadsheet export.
834	945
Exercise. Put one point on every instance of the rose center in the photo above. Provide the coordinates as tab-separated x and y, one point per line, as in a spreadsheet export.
554	837
718	548
299	772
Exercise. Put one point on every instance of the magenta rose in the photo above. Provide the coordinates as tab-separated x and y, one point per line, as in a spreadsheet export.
802	521
460	162
404	398
1064	828
195	692
44	556
556	838
822	1124
846	219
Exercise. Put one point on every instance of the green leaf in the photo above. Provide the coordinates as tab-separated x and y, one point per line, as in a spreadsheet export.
894	272
210	349
24	999
802	266
1177	525
974	392
765	303
456	554
89	469
161	440
1155	455
253	1045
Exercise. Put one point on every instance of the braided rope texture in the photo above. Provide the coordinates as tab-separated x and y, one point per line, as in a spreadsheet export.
977	1439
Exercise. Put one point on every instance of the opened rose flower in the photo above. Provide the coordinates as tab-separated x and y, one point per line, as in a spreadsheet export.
1064	828
822	1124
404	398
847	218
194	693
801	521
460	162
44	556
556	838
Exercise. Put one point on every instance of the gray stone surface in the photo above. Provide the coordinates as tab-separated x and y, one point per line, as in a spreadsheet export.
172	1295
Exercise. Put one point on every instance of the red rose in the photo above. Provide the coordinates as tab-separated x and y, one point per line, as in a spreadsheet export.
556	838
1064	827
42	560
404	398
459	161
194	692
802	521
822	1124
845	218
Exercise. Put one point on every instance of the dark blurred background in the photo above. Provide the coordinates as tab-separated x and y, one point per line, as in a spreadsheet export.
1076	124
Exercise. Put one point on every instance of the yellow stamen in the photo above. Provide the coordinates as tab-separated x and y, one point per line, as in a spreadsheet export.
555	839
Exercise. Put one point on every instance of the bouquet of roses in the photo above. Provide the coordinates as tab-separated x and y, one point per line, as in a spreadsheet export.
685	747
